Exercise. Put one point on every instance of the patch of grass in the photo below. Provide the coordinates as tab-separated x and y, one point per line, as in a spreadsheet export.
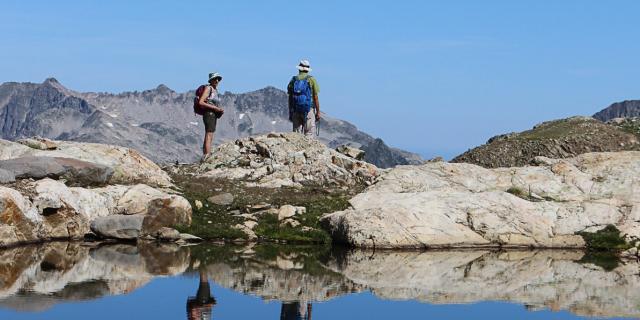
518	193
211	221
269	228
558	129
606	239
214	222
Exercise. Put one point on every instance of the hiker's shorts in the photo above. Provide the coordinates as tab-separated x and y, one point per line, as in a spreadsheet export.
305	126
210	120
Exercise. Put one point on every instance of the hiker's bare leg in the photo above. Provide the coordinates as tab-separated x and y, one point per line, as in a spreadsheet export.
206	146
297	122
310	124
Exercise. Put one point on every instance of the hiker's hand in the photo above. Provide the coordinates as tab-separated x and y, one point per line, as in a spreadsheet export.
219	110
317	116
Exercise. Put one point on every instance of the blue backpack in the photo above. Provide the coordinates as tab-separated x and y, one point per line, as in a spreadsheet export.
302	95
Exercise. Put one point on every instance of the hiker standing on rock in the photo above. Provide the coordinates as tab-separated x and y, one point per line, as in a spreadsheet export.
208	105
304	108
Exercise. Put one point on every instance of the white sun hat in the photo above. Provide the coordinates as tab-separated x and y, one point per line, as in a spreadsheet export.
304	66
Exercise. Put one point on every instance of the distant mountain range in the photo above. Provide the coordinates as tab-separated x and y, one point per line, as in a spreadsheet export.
160	123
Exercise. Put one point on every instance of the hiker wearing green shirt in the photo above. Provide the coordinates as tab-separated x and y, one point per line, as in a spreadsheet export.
304	108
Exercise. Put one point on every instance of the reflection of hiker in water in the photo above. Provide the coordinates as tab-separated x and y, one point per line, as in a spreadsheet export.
199	307
295	311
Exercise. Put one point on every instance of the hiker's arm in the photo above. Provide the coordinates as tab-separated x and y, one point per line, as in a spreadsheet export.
317	104
203	101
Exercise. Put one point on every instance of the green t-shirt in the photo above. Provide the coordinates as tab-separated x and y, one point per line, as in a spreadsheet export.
315	89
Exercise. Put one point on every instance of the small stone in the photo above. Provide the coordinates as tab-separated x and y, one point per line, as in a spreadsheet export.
254	165
351	152
234	212
290	222
167	234
298	177
223	199
264	212
209	222
250	224
286	211
259	206
198	204
306	229
248	216
190	238
630	254
301	210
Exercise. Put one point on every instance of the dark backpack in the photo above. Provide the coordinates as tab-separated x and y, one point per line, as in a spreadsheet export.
197	108
302	99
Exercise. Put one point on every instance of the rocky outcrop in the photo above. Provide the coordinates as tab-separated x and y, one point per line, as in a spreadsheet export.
464	205
81	163
550	279
162	117
47	209
624	109
553	139
285	159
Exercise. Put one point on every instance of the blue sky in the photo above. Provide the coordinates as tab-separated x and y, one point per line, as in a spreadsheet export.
434	77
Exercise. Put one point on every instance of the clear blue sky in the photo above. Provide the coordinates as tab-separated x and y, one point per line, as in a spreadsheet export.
434	77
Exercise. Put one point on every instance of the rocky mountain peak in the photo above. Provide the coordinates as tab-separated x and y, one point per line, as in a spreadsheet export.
624	109
161	88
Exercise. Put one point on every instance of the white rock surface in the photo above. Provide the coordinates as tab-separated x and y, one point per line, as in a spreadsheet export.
129	166
463	205
285	159
57	211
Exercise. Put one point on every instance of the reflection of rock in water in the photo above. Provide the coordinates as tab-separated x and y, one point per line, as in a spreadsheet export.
538	279
287	274
37	277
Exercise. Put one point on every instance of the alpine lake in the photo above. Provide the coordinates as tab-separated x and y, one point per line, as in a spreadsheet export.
151	280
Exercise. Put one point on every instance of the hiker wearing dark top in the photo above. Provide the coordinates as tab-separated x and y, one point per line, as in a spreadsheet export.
210	107
304	108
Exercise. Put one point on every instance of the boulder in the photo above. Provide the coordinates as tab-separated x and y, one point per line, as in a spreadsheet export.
223	199
463	205
137	198
167	234
286	211
33	167
19	219
166	212
351	152
124	227
127	165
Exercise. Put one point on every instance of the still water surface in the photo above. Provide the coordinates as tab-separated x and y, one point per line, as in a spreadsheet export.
149	281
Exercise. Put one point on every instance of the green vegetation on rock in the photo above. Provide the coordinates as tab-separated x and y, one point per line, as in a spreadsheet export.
606	239
213	221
